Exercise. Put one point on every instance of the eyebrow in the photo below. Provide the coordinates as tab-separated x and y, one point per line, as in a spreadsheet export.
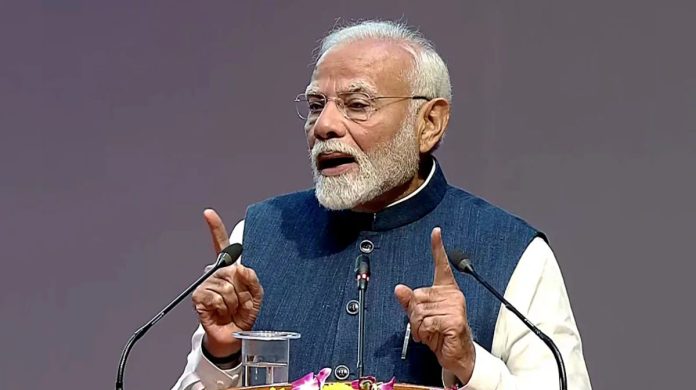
311	90
360	86
356	86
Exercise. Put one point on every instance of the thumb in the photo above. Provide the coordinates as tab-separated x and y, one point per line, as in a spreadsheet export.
404	294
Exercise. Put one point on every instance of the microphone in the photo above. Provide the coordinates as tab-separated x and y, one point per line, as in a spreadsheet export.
362	276
362	271
463	264
226	257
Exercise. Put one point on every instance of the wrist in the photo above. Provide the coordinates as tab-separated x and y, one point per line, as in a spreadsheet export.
465	369
218	350
223	362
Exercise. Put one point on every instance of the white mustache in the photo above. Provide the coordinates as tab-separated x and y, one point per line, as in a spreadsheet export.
334	146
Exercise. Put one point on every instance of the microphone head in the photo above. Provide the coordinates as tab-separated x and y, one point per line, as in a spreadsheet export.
460	261
362	265
229	255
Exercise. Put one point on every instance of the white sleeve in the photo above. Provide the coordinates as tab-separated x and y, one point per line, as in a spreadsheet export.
518	359
199	372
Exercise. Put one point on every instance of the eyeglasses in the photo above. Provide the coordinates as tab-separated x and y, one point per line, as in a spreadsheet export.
356	106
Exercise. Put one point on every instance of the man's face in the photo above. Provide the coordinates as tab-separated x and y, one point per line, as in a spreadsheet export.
356	161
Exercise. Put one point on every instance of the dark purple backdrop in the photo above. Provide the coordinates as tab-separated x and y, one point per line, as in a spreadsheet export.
120	121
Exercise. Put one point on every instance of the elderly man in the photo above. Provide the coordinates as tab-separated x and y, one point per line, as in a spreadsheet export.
376	108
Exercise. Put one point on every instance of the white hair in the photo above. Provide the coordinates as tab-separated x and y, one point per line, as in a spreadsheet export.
427	77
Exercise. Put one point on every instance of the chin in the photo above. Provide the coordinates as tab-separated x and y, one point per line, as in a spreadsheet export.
342	195
336	192
334	203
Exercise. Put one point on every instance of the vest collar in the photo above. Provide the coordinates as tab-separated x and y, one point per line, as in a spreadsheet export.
402	212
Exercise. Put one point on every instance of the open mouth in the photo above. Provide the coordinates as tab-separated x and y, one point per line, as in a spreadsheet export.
334	163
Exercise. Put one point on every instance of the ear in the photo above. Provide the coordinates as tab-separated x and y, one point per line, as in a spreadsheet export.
434	116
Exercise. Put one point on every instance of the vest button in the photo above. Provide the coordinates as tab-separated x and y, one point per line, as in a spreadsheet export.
341	372
366	246
352	307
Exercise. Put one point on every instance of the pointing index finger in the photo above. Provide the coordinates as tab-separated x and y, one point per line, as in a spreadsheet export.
443	273
217	230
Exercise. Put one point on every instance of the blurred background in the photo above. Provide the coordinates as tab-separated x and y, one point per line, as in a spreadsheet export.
121	121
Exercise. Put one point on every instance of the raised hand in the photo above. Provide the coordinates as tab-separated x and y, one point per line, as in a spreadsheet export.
438	315
229	301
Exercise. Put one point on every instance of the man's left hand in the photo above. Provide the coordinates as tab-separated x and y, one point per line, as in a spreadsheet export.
438	315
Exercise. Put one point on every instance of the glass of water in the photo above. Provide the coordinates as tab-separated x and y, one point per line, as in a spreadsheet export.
265	356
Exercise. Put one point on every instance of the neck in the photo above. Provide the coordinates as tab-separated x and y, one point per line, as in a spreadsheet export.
399	192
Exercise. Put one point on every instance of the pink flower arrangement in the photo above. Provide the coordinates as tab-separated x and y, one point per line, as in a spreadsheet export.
310	381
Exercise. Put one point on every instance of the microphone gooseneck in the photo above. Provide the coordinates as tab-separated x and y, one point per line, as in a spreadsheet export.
463	264
362	276
226	257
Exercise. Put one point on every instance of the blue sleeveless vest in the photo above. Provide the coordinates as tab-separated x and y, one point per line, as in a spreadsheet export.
305	255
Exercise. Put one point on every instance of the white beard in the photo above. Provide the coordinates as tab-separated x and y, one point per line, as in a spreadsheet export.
385	167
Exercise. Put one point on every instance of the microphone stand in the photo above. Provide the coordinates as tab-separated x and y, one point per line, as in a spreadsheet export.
228	256
362	277
463	264
361	332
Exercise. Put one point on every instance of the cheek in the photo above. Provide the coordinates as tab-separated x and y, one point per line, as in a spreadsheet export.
311	139
370	137
363	141
362	138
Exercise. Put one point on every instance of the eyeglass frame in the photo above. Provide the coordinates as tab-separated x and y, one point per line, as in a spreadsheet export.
340	103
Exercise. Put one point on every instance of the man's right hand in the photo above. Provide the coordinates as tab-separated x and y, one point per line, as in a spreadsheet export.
227	302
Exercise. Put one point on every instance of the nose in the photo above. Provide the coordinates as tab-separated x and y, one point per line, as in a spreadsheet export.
330	124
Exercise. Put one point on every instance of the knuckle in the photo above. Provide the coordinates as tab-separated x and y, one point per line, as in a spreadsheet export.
227	289
429	324
198	294
415	324
202	296
217	300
